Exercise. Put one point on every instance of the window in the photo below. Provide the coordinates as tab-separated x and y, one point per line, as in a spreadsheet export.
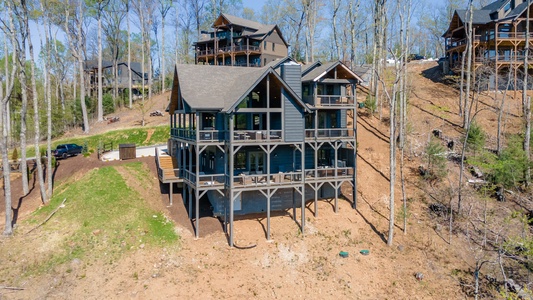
507	7
273	47
240	160
264	62
265	45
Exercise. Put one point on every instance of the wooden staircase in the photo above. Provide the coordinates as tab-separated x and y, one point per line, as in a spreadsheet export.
168	169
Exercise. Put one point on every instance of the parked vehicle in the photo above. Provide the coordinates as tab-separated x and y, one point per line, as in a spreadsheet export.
66	150
415	57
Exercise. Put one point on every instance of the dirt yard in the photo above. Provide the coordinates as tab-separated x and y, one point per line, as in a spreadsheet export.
290	266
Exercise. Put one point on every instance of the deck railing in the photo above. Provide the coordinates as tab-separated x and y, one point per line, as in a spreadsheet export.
330	100
330	133
245	136
240	136
228	49
329	172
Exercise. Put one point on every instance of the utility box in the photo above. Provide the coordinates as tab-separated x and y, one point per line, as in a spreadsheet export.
127	151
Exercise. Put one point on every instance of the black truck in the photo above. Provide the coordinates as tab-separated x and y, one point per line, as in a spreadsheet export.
65	150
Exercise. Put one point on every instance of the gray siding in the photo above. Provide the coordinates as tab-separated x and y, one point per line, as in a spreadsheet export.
255	202
342	118
292	74
293	120
283	157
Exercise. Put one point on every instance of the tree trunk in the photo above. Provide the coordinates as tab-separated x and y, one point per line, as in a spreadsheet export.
527	103
24	107
466	119
48	100
100	87
8	228
77	52
335	38
36	117
129	56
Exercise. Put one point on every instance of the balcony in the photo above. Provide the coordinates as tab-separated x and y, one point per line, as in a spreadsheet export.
454	43
204	180
256	136
329	133
239	136
330	100
228	49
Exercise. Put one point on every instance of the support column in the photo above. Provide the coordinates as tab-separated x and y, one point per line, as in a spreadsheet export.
197	221
230	185
303	210
354	90
268	216
171	192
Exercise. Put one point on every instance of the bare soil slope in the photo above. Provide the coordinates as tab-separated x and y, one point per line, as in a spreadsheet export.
290	266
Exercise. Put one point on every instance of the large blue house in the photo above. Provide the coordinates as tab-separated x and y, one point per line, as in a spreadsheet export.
257	140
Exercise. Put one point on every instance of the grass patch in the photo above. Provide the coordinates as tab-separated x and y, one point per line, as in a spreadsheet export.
102	219
135	136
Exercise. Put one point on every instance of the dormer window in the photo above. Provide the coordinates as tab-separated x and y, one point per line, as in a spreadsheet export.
507	7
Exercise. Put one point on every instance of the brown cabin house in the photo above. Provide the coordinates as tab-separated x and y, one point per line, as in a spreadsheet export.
108	73
234	41
499	40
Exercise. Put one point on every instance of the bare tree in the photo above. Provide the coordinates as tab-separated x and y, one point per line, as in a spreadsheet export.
36	117
21	61
526	102
99	6
113	17
130	96
164	7
48	98
5	97
468	70
76	39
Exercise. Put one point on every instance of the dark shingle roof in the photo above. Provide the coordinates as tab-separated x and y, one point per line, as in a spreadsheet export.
215	87
479	16
317	70
314	73
494	6
242	22
519	10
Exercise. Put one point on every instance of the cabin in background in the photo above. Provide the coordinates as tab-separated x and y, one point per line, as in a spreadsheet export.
498	40
234	41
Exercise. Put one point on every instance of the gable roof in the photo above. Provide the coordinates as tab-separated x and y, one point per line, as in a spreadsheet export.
239	21
318	70
488	13
279	61
256	30
220	88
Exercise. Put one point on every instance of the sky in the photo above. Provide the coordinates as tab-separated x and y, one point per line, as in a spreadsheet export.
255	4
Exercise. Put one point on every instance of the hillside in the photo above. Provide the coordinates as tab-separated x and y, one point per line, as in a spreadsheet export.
290	266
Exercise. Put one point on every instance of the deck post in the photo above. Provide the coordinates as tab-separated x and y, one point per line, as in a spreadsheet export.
336	197
189	198
171	192
303	210
231	170
184	193
293	205
316	199
354	91
268	216
231	219
197	221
